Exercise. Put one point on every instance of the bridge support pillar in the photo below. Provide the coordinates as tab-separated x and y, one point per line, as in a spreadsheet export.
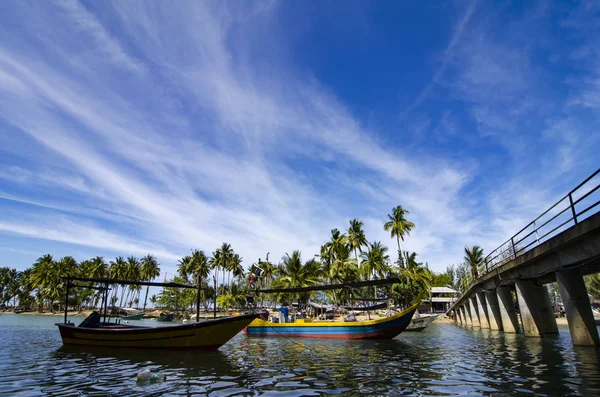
482	309
493	310
577	307
458	316
474	311
466	309
536	309
506	305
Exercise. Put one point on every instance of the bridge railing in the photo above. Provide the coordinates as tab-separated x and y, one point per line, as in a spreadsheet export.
577	205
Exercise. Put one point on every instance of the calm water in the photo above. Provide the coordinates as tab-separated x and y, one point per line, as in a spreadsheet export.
442	360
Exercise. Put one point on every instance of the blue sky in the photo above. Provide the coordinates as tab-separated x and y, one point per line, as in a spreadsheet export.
136	127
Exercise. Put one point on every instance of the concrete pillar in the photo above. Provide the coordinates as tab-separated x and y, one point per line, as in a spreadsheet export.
577	307
474	311
467	313
506	305
482	309
463	315
457	317
536	309
493	310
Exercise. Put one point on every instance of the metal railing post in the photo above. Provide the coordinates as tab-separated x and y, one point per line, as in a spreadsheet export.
512	241
573	208
537	236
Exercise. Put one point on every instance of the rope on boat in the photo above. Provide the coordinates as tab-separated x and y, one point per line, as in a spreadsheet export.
292	341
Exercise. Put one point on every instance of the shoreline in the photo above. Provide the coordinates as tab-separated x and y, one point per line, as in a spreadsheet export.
447	320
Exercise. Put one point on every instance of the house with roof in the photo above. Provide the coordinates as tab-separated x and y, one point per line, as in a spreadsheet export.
439	300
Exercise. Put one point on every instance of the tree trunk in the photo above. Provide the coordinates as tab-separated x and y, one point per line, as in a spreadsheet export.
146	298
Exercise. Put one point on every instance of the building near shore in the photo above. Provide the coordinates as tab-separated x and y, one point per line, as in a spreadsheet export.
439	300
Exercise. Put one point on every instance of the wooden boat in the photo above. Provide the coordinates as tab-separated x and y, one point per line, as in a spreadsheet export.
210	334
133	317
420	323
132	314
382	328
165	317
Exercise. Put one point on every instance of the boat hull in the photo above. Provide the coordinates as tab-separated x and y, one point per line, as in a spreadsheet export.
385	328
208	335
133	317
419	324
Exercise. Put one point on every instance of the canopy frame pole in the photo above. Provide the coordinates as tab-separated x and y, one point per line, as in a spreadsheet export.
67	298
105	301
198	299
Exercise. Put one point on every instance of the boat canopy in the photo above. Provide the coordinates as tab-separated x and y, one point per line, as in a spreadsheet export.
328	287
127	282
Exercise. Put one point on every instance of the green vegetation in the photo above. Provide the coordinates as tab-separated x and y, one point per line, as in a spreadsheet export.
345	258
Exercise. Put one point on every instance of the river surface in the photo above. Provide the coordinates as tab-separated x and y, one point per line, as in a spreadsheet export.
443	360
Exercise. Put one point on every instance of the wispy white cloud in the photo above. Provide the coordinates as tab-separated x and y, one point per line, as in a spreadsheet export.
171	138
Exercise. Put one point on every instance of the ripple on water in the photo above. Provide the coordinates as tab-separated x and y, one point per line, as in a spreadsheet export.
444	360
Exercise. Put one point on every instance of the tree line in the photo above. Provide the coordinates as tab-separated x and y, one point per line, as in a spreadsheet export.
348	256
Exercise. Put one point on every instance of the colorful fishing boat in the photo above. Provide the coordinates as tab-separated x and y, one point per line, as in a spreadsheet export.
93	332
382	328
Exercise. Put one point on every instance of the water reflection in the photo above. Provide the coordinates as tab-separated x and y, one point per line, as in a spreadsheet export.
444	360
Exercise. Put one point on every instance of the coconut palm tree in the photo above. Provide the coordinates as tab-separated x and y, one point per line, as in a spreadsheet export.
292	273
236	266
356	236
150	270
199	265
474	258
42	276
375	261
132	273
398	225
116	271
184	267
338	244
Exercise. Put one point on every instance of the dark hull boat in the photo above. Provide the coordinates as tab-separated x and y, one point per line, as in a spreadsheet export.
93	332
166	317
210	334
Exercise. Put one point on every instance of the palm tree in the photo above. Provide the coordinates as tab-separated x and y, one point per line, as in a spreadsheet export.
337	245
236	266
356	236
375	261
183	269
116	271
150	270
132	273
474	258
97	268
292	273
398	225
414	271
41	276
199	265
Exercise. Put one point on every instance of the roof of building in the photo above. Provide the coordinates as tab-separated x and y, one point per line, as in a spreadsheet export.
443	290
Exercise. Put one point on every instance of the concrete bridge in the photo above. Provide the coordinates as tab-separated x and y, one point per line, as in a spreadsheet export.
562	245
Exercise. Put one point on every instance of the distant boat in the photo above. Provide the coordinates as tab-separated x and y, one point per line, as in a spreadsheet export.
420	323
132	314
165	317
